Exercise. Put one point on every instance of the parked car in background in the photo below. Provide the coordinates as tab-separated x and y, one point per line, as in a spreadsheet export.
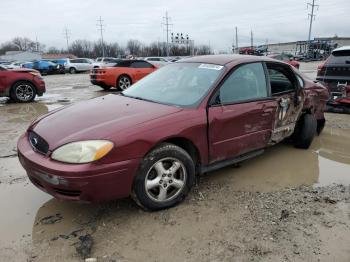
101	62
157	59
78	65
12	65
334	73
185	119
286	58
21	85
45	67
122	75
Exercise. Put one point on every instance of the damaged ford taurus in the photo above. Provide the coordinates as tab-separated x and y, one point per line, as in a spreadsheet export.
185	119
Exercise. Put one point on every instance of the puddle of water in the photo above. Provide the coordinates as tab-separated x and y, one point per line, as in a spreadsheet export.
19	204
282	166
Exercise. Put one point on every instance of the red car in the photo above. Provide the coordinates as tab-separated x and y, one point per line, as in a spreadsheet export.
122	75
286	58
21	85
187	118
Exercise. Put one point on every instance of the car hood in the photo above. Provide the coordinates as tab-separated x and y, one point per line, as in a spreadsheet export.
24	70
98	118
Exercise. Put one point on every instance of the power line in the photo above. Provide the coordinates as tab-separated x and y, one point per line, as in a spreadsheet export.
101	26
312	18
66	36
167	24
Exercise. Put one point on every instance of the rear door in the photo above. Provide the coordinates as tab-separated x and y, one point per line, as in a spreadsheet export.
241	113
288	99
142	68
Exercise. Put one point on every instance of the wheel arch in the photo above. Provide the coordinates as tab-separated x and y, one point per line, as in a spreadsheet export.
121	75
21	80
187	145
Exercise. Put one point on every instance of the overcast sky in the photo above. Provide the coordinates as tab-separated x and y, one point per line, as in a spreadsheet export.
206	21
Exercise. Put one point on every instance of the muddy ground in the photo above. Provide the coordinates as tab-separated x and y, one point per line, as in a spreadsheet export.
285	205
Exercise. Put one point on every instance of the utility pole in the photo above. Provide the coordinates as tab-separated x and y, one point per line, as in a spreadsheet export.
167	24
100	27
312	17
66	36
251	39
237	50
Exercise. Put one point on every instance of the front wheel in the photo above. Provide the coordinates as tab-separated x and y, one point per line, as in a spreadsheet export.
164	178
123	83
72	70
23	92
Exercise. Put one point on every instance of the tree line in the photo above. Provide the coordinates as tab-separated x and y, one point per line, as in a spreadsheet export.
93	49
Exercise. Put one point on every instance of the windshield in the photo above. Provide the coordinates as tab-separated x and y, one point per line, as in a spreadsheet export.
179	84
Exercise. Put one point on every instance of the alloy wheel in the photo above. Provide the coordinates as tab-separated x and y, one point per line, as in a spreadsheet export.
165	179
124	83
24	92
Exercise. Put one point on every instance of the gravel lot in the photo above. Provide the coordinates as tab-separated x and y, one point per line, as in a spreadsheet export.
285	205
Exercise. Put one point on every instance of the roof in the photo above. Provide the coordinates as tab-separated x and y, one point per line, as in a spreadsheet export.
343	48
225	59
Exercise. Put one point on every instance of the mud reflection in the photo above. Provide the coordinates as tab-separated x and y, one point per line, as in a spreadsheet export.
282	166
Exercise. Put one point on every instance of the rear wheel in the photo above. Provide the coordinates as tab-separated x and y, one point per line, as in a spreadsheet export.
123	82
320	125
305	131
164	178
72	70
23	92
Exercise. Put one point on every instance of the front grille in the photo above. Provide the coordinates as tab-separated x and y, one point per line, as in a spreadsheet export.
38	143
69	193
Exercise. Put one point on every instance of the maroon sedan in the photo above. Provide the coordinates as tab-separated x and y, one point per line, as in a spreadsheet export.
187	118
21	85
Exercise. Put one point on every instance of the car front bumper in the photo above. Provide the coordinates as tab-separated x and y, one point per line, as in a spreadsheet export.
92	182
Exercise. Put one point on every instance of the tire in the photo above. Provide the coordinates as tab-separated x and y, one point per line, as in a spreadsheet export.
320	125
123	82
305	131
157	185
72	70
23	92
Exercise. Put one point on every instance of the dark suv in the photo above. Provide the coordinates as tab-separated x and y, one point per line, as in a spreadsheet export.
335	75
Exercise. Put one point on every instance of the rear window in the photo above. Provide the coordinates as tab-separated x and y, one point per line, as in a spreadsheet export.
339	57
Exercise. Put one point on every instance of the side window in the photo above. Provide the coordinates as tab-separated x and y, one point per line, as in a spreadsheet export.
123	64
301	81
247	82
74	61
141	64
282	79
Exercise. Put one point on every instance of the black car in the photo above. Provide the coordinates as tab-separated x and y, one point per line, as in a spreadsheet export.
335	75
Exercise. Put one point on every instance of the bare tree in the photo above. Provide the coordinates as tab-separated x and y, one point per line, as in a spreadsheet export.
134	47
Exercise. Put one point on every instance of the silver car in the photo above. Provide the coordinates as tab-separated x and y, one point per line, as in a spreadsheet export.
105	62
78	65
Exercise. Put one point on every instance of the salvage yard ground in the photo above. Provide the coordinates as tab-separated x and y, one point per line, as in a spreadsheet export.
285	205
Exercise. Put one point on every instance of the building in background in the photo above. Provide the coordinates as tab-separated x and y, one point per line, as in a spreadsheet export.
21	56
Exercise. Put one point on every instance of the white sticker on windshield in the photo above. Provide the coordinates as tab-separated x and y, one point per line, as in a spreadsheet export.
211	66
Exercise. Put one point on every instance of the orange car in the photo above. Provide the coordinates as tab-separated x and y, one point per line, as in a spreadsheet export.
122	75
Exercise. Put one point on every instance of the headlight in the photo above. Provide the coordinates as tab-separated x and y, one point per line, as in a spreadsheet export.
82	152
35	73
